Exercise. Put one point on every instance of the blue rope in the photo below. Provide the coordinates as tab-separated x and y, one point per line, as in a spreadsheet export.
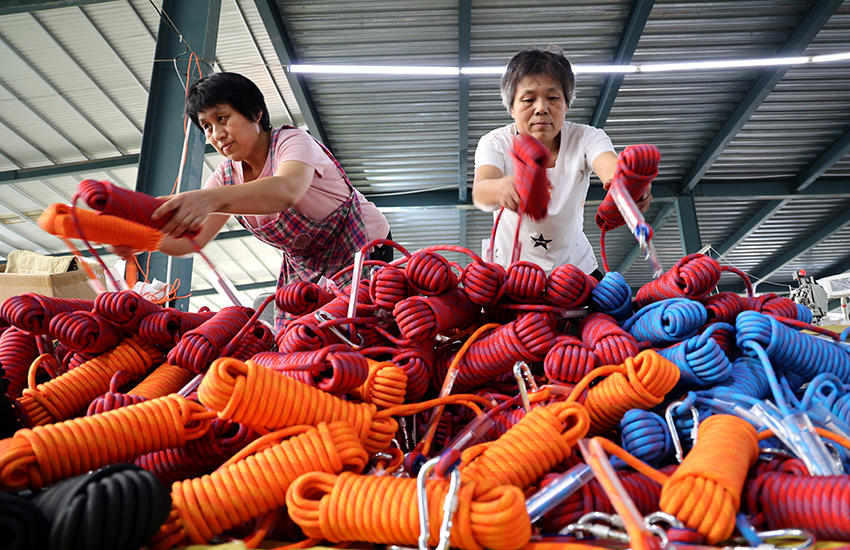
799	353
701	360
645	435
667	321
613	296
804	314
745	378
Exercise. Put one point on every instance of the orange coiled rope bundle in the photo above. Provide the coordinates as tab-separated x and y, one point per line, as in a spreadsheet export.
264	400
543	439
385	387
32	459
705	490
639	383
383	510
69	394
56	220
250	486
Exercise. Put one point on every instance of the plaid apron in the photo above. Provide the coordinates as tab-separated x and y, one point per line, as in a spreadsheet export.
310	248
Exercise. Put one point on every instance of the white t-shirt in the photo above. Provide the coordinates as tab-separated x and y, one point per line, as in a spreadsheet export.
558	238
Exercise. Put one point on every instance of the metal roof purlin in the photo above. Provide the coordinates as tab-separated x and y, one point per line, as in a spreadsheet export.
799	39
635	23
825	160
286	56
752	224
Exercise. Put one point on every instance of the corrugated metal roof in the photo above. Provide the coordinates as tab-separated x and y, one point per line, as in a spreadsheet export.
75	83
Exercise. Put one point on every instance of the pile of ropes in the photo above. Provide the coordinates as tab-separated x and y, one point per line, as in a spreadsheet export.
465	388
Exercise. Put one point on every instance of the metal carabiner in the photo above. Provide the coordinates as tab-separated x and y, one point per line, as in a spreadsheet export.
674	433
449	506
774	537
524	379
324	316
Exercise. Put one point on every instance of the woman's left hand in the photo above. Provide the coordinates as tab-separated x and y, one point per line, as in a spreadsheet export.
644	200
190	210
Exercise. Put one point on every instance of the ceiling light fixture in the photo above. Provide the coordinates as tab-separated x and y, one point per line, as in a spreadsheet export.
413	70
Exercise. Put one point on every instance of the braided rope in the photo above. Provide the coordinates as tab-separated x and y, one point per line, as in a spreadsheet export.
611	344
569	360
85	331
200	346
694	276
667	321
57	219
32	313
125	309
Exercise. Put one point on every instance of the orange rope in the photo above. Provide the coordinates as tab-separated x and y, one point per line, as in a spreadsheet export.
540	441
641	382
105	229
32	459
385	387
264	400
256	484
164	380
383	510
69	394
705	490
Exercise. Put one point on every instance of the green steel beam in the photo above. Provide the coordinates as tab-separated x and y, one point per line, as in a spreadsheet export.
752	224
688	225
163	139
830	156
635	23
808	27
285	50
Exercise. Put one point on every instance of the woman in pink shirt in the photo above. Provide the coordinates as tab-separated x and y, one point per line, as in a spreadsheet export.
281	184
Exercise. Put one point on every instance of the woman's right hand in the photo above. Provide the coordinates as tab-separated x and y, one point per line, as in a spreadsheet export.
508	195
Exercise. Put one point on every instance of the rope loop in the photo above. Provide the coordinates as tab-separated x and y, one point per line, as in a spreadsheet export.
694	276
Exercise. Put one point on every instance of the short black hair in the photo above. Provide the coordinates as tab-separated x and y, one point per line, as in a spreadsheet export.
535	61
232	88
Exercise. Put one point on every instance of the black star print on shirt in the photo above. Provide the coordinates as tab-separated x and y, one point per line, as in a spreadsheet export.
540	241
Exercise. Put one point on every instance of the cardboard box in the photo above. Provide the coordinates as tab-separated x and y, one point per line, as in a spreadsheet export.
71	284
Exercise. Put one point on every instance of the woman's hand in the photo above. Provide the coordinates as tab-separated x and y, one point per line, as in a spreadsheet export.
507	193
190	210
644	200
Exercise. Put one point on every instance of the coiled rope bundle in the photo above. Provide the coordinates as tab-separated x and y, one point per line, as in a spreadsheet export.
198	347
383	510
611	344
336	369
636	167
33	459
32	313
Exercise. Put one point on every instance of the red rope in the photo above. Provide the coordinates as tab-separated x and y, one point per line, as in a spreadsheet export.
200	346
336	369
85	331
125	309
32	312
693	277
301	297
611	344
167	326
569	360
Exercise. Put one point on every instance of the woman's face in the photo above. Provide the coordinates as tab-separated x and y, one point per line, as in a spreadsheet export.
539	108
231	133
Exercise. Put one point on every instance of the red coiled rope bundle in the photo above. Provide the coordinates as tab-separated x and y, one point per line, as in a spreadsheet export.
199	456
773	304
200	346
383	510
301	297
69	394
569	287
336	369
525	282
569	360
484	282
46	454
251	340
817	504
124	309
18	349
264	400
243	490
112	200
611	344
422	318
429	273
641	382
167	326
637	166
528	338
388	287
693	277
32	312
85	331
543	439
